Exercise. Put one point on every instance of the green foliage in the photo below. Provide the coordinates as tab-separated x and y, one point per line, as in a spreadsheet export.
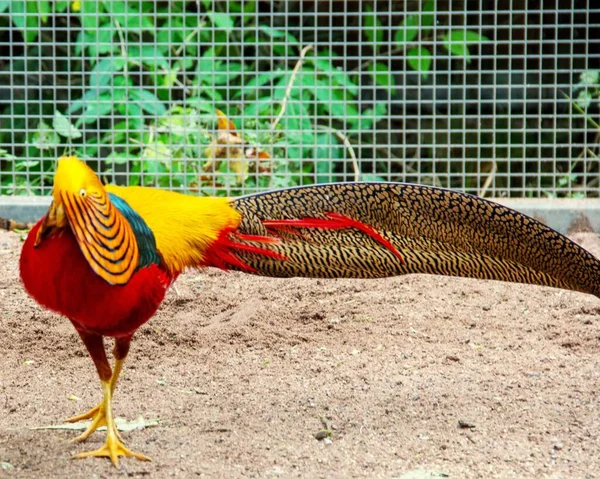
588	95
419	58
457	42
414	32
139	54
143	80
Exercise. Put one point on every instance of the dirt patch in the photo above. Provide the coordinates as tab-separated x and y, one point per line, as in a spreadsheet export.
452	376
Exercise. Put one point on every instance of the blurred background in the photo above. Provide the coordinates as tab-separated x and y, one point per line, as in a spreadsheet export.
493	97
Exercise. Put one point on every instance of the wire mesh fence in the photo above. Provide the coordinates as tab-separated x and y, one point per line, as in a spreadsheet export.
215	97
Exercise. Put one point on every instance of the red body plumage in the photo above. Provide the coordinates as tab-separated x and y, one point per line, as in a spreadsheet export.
58	276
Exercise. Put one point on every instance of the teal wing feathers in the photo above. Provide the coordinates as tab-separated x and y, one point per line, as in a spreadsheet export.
142	232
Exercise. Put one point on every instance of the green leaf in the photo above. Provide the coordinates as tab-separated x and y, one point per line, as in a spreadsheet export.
297	120
148	101
412	24
25	164
45	138
350	109
371	116
372	27
91	13
457	40
224	73
170	77
419	58
281	86
459	50
4	5
201	104
274	33
24	15
63	126
44	9
122	81
409	29
128	16
103	72
584	99
60	6
221	20
469	36
371	178
148	55
206	65
382	75
116	158
88	96
212	93
259	107
101	106
589	77
97	41
253	86
428	15
325	151
337	75
325	95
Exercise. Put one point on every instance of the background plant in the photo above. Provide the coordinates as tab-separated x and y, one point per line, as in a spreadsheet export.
137	84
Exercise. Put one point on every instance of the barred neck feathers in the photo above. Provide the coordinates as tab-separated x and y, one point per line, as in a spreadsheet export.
113	238
103	234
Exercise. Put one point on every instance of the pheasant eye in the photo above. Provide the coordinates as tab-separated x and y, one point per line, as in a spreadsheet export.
82	192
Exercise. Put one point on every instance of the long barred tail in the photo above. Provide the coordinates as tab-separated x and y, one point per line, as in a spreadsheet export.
372	230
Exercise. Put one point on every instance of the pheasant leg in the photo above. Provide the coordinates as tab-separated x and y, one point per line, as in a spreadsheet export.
113	448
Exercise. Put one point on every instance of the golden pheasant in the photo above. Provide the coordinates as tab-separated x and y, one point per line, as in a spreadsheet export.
104	256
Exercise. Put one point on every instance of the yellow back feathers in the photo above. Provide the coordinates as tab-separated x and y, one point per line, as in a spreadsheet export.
184	226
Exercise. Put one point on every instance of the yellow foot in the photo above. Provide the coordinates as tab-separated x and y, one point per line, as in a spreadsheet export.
98	417
112	448
88	415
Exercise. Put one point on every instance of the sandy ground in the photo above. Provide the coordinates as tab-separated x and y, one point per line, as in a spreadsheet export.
408	377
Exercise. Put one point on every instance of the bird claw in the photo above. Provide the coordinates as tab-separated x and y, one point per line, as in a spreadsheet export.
88	415
98	417
112	448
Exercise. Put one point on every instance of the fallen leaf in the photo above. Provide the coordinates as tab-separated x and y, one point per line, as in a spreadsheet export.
422	474
121	423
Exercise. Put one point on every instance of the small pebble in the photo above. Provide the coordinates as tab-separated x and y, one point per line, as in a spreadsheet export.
465	424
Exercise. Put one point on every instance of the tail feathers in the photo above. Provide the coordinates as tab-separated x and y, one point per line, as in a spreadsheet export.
372	230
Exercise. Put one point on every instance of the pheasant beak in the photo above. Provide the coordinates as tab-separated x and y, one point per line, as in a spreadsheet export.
70	175
55	218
